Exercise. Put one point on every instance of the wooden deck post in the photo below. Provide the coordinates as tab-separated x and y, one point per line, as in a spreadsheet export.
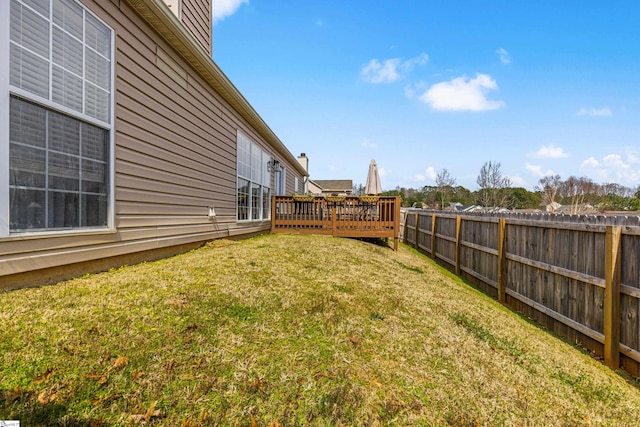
612	297
458	227
273	213
333	219
502	222
433	235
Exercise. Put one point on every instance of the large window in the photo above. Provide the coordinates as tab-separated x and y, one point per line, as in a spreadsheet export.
61	119
280	178
254	181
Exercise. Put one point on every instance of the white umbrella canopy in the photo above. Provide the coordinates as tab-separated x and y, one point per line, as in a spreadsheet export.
373	185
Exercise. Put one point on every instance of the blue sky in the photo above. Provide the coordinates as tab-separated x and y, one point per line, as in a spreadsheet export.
543	87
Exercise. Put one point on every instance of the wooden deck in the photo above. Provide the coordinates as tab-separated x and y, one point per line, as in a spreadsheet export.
346	217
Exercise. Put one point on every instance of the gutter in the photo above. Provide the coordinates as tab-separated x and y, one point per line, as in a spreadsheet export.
158	15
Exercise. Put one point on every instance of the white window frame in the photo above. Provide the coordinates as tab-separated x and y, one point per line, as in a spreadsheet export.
258	179
5	31
6	90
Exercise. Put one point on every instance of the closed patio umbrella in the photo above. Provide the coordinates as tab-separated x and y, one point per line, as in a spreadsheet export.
373	185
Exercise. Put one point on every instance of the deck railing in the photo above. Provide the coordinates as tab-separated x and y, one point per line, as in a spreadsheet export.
348	216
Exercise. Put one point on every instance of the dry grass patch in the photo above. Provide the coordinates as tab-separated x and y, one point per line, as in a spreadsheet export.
290	330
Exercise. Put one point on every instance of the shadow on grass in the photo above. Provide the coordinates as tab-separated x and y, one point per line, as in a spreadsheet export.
24	407
383	242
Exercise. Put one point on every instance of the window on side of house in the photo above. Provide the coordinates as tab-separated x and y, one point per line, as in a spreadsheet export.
281	181
254	181
60	117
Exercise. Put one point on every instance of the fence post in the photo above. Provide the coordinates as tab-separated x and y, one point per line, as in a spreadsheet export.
502	222
404	226
433	235
415	223
612	297
458	227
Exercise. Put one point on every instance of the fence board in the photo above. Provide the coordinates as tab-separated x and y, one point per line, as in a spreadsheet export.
553	269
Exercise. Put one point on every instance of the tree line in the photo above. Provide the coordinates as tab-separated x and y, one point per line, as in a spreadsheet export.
574	195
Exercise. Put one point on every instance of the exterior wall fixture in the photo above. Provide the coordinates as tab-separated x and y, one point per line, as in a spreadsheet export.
273	165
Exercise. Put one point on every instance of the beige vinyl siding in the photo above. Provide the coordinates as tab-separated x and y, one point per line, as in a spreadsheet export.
175	155
290	186
196	16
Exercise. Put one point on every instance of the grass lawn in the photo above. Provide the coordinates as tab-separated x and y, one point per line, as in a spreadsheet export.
291	330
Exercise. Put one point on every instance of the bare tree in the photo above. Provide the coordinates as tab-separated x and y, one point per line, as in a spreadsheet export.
617	189
493	186
445	184
549	187
575	191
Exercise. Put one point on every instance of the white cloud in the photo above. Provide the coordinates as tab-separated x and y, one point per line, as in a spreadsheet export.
383	172
591	162
223	8
429	173
504	56
613	168
410	90
614	160
538	171
517	181
376	72
595	112
421	59
550	152
368	144
390	70
462	94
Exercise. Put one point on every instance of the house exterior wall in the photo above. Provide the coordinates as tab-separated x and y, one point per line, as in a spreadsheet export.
175	156
313	188
319	187
196	17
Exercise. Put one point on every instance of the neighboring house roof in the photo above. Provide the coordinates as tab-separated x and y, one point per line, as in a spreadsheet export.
334	185
160	17
459	207
553	207
583	208
477	208
470	208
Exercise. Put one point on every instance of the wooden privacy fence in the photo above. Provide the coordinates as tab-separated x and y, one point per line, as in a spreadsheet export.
350	216
580	280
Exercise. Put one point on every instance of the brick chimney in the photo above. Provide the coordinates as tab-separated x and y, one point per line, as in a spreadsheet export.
304	161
